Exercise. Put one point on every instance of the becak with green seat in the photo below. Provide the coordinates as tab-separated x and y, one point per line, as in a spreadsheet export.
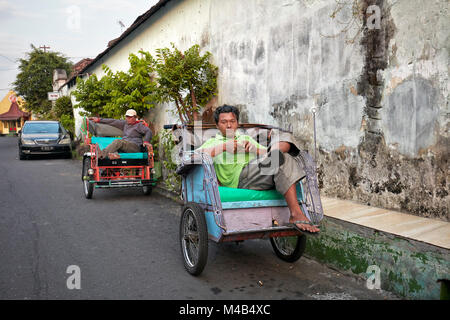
133	169
223	214
135	157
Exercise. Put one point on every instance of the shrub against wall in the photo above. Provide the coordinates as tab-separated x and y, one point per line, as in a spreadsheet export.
187	79
63	112
114	93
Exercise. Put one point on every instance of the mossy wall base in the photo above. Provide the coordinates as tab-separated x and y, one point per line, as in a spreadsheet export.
408	268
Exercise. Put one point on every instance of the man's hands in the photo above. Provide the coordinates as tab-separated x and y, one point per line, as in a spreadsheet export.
246	147
146	144
95	119
233	146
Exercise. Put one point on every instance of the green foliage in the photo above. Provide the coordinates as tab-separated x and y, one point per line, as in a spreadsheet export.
35	78
116	92
155	144
68	122
166	147
63	112
188	79
63	106
92	95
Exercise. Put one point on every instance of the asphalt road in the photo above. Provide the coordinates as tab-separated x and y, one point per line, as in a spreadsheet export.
126	246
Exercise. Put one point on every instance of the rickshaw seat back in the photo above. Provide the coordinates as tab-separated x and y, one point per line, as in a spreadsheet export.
103	142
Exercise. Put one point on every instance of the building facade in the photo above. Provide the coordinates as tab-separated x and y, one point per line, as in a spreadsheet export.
375	72
12	115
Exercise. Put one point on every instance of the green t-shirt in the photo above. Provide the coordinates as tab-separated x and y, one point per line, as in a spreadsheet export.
228	166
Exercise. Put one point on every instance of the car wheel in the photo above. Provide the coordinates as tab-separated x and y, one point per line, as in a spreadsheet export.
21	155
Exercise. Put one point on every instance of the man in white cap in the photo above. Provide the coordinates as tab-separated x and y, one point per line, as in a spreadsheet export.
135	134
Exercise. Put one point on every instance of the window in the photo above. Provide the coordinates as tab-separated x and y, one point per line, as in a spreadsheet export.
41	128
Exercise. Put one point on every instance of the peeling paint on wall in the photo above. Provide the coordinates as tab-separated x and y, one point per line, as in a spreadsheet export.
383	120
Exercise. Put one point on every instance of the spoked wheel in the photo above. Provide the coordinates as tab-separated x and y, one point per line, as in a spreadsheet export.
194	238
289	249
87	186
147	190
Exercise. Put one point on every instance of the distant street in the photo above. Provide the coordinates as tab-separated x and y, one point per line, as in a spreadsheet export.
126	245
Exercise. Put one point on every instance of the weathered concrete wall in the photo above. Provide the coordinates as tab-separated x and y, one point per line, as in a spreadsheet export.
401	161
382	125
279	59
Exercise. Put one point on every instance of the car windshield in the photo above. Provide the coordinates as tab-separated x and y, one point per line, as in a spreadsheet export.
41	128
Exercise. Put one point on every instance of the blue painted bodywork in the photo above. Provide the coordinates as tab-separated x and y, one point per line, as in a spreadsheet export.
197	188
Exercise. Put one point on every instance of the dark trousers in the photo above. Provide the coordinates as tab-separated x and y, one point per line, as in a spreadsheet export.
120	145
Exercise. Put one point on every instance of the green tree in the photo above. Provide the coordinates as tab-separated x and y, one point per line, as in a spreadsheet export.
116	92
63	111
63	105
92	95
188	79
133	89
35	77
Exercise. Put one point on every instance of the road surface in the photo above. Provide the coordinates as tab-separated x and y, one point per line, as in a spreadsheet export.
125	246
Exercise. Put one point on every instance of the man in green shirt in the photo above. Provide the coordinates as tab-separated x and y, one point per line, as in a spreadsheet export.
240	162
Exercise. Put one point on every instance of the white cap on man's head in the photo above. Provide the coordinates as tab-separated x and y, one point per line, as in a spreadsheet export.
131	113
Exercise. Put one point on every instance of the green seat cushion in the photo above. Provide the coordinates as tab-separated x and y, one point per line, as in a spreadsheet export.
234	194
103	142
137	155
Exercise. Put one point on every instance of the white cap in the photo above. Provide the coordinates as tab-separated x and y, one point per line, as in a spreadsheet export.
131	113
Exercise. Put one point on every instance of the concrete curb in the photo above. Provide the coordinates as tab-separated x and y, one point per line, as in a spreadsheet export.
407	267
168	194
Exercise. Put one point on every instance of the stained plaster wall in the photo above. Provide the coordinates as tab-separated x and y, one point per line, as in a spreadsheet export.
401	161
382	124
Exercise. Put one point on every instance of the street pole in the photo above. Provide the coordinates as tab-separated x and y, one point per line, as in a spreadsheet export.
44	47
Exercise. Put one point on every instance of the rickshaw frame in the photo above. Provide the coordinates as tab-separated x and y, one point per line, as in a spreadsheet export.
236	220
110	174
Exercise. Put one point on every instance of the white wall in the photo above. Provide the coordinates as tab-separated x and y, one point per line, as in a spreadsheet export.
274	57
278	59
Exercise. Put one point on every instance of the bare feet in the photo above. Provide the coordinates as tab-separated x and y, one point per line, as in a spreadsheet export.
303	226
113	156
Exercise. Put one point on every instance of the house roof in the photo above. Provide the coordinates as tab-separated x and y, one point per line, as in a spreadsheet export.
139	20
5	103
77	69
79	66
13	113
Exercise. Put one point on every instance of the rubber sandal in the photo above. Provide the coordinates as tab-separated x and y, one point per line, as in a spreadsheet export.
294	225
